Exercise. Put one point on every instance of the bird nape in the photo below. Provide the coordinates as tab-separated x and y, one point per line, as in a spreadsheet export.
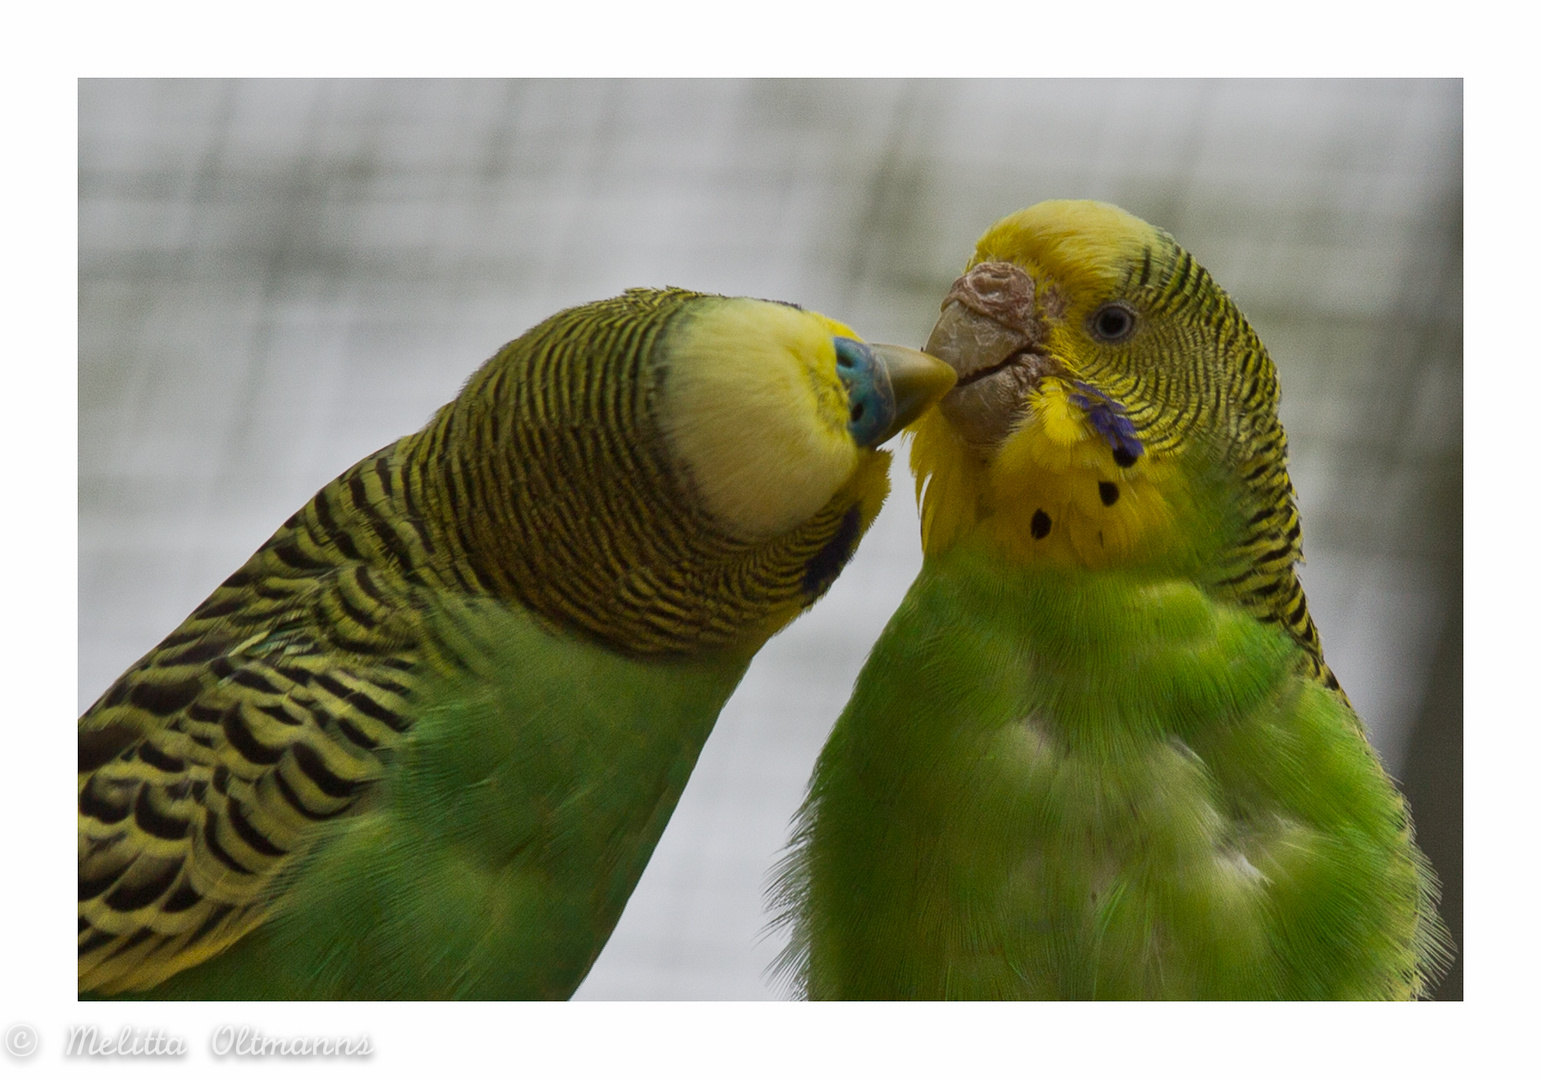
424	741
1097	752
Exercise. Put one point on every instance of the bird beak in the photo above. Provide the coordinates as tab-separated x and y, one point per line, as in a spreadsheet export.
990	332
919	381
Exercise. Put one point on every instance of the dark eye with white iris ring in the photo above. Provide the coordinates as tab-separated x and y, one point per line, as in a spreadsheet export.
1112	323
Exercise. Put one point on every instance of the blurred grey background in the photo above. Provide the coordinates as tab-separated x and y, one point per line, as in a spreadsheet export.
278	277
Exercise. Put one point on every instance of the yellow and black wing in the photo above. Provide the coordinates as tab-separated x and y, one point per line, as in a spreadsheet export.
214	764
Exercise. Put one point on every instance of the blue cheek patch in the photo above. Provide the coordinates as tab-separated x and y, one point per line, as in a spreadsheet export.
869	393
1108	419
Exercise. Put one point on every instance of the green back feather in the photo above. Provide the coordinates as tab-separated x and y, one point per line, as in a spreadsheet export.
477	866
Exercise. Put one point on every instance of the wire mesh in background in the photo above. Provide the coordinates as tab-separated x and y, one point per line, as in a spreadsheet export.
277	278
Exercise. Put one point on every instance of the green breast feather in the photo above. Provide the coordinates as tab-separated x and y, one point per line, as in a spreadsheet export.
1113	787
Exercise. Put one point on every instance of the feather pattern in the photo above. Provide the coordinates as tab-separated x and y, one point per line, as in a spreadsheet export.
424	621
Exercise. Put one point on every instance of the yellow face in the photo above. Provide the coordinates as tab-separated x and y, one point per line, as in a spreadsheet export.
755	414
1077	395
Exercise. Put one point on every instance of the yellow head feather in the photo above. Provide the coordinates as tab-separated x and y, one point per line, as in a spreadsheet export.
755	414
1087	247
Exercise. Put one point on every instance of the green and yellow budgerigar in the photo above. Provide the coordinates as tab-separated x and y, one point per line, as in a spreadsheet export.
423	743
1097	752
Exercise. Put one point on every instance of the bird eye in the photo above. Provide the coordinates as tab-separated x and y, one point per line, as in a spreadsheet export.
1112	323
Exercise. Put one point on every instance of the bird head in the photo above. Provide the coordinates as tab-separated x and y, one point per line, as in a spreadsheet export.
675	472
1112	406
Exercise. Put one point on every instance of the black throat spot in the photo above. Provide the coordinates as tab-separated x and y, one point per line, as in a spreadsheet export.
827	564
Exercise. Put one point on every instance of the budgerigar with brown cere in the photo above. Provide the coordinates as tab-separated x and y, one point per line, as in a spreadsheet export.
1097	752
422	744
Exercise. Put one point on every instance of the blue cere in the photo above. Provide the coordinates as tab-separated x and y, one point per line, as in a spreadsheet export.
868	391
1108	418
